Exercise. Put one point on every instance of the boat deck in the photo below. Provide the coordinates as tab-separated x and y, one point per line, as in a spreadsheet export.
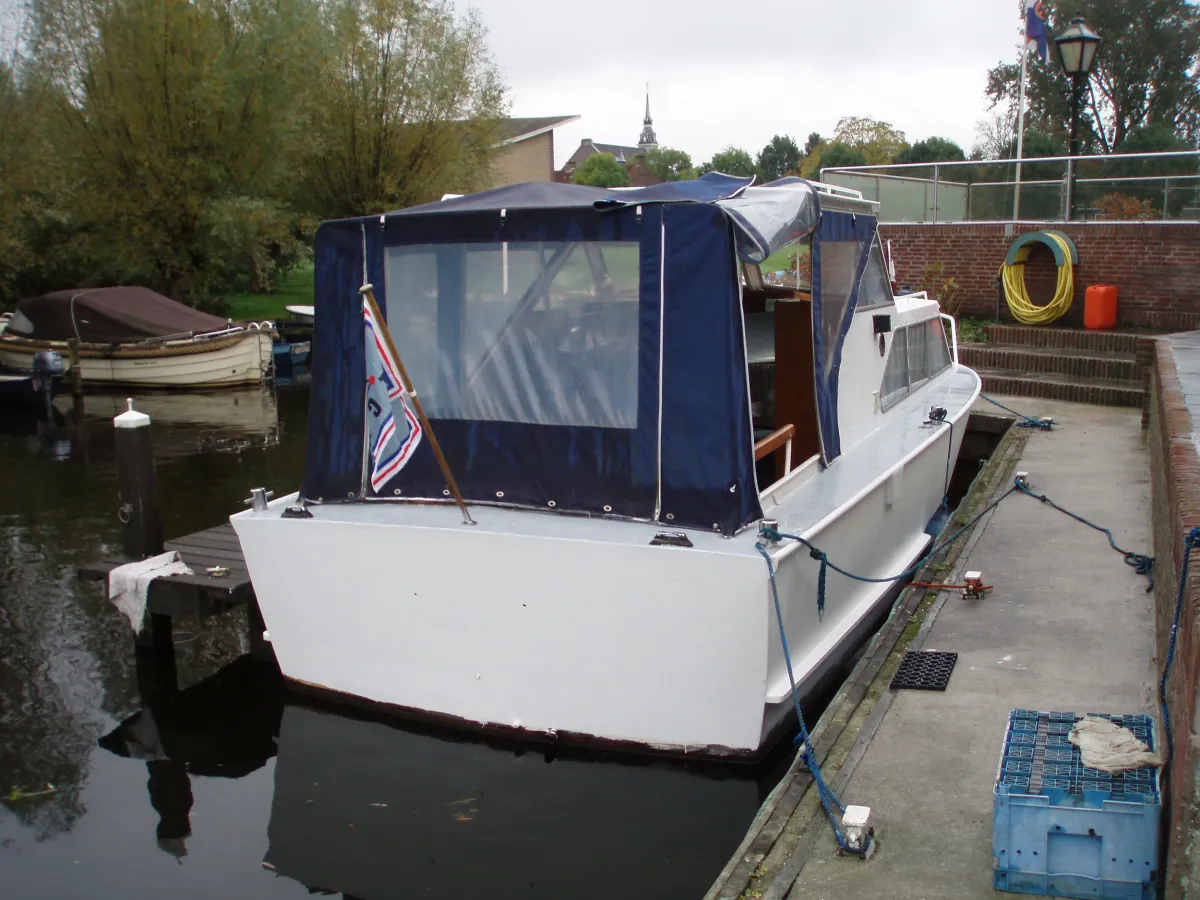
207	592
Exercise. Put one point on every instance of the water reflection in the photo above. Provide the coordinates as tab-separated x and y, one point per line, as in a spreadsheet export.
66	662
374	810
189	793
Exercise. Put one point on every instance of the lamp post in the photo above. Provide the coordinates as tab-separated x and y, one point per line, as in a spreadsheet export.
1077	47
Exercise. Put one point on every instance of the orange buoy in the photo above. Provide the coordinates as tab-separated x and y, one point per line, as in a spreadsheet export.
1100	306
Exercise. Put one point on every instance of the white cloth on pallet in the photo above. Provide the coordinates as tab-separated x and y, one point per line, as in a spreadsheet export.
1110	748
129	584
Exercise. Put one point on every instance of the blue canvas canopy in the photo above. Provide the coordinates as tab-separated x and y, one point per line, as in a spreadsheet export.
578	349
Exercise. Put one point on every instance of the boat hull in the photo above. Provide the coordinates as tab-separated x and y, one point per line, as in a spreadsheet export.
577	630
241	359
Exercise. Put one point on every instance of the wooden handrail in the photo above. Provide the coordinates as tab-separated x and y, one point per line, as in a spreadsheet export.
774	441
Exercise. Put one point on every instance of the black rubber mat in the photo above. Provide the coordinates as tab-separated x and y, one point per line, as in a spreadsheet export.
924	670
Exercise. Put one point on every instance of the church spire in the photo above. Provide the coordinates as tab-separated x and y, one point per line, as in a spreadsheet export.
647	141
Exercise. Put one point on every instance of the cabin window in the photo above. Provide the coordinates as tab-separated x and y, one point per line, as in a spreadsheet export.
919	352
839	265
543	333
875	289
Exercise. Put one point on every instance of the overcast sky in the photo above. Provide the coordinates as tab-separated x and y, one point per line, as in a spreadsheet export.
729	72
737	73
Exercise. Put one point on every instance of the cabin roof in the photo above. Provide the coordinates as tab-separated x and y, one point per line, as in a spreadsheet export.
766	217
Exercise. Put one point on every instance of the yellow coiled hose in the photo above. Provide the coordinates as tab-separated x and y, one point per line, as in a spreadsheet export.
1024	309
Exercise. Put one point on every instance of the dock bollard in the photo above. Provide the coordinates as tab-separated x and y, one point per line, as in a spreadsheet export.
140	518
141	524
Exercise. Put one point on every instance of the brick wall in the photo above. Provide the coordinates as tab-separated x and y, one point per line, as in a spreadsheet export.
1156	268
1175	499
528	160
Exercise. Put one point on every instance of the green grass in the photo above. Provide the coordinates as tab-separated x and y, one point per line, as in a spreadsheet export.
782	260
294	288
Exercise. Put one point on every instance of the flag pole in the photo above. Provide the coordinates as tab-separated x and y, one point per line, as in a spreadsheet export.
368	292
1021	112
1020	136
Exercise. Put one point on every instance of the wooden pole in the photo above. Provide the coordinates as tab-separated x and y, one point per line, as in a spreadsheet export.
368	292
75	369
141	526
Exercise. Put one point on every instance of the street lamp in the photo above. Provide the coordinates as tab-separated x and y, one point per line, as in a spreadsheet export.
1077	47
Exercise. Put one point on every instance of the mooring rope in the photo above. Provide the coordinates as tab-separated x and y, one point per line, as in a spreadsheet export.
1190	542
1141	563
1025	421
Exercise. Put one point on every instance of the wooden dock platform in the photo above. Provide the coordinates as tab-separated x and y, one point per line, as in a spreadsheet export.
220	581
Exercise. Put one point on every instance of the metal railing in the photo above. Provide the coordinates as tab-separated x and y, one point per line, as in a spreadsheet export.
1121	187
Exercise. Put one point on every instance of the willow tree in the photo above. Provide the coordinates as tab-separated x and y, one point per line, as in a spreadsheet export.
405	106
175	117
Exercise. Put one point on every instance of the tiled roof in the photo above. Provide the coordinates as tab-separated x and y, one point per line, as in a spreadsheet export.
588	147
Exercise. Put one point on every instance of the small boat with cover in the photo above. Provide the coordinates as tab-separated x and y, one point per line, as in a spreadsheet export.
133	336
631	416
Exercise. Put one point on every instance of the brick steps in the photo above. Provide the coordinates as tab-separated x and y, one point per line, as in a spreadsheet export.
1033	360
1062	338
1101	367
1050	387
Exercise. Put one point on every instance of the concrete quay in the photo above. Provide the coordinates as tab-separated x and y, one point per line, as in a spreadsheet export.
1067	626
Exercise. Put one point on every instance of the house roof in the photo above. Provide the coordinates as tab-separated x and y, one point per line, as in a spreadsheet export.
587	147
514	130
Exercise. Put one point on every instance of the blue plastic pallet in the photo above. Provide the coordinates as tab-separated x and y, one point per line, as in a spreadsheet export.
1061	829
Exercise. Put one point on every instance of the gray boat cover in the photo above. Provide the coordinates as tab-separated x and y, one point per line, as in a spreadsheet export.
110	315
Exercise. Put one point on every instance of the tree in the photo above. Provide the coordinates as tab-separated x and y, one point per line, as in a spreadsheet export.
931	150
814	140
670	164
601	170
993	136
878	141
1145	73
779	157
405	107
836	155
174	121
733	161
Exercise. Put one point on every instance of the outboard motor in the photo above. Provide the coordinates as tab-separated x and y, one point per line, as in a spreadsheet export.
48	369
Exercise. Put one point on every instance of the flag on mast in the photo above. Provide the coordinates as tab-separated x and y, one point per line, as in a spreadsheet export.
393	429
1035	28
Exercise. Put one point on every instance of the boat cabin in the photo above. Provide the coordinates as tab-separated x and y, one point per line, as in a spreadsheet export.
617	352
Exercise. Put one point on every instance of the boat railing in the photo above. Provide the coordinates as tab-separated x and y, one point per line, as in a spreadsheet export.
953	336
160	338
781	437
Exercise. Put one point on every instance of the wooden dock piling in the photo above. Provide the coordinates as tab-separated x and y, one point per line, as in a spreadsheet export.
75	371
141	526
219	581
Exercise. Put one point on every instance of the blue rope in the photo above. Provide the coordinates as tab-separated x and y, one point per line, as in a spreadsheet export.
1190	542
829	800
949	457
1140	562
823	558
1026	421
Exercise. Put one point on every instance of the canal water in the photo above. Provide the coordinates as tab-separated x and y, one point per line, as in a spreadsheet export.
233	787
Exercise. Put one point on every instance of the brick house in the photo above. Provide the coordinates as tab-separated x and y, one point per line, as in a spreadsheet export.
526	152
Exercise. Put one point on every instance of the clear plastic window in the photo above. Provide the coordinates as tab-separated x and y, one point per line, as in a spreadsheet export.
918	352
875	289
544	333
895	375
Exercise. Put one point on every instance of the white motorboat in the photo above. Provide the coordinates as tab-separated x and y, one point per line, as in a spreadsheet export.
302	314
624	405
133	336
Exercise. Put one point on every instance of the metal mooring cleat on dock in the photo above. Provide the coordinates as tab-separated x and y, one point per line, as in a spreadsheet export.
258	498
